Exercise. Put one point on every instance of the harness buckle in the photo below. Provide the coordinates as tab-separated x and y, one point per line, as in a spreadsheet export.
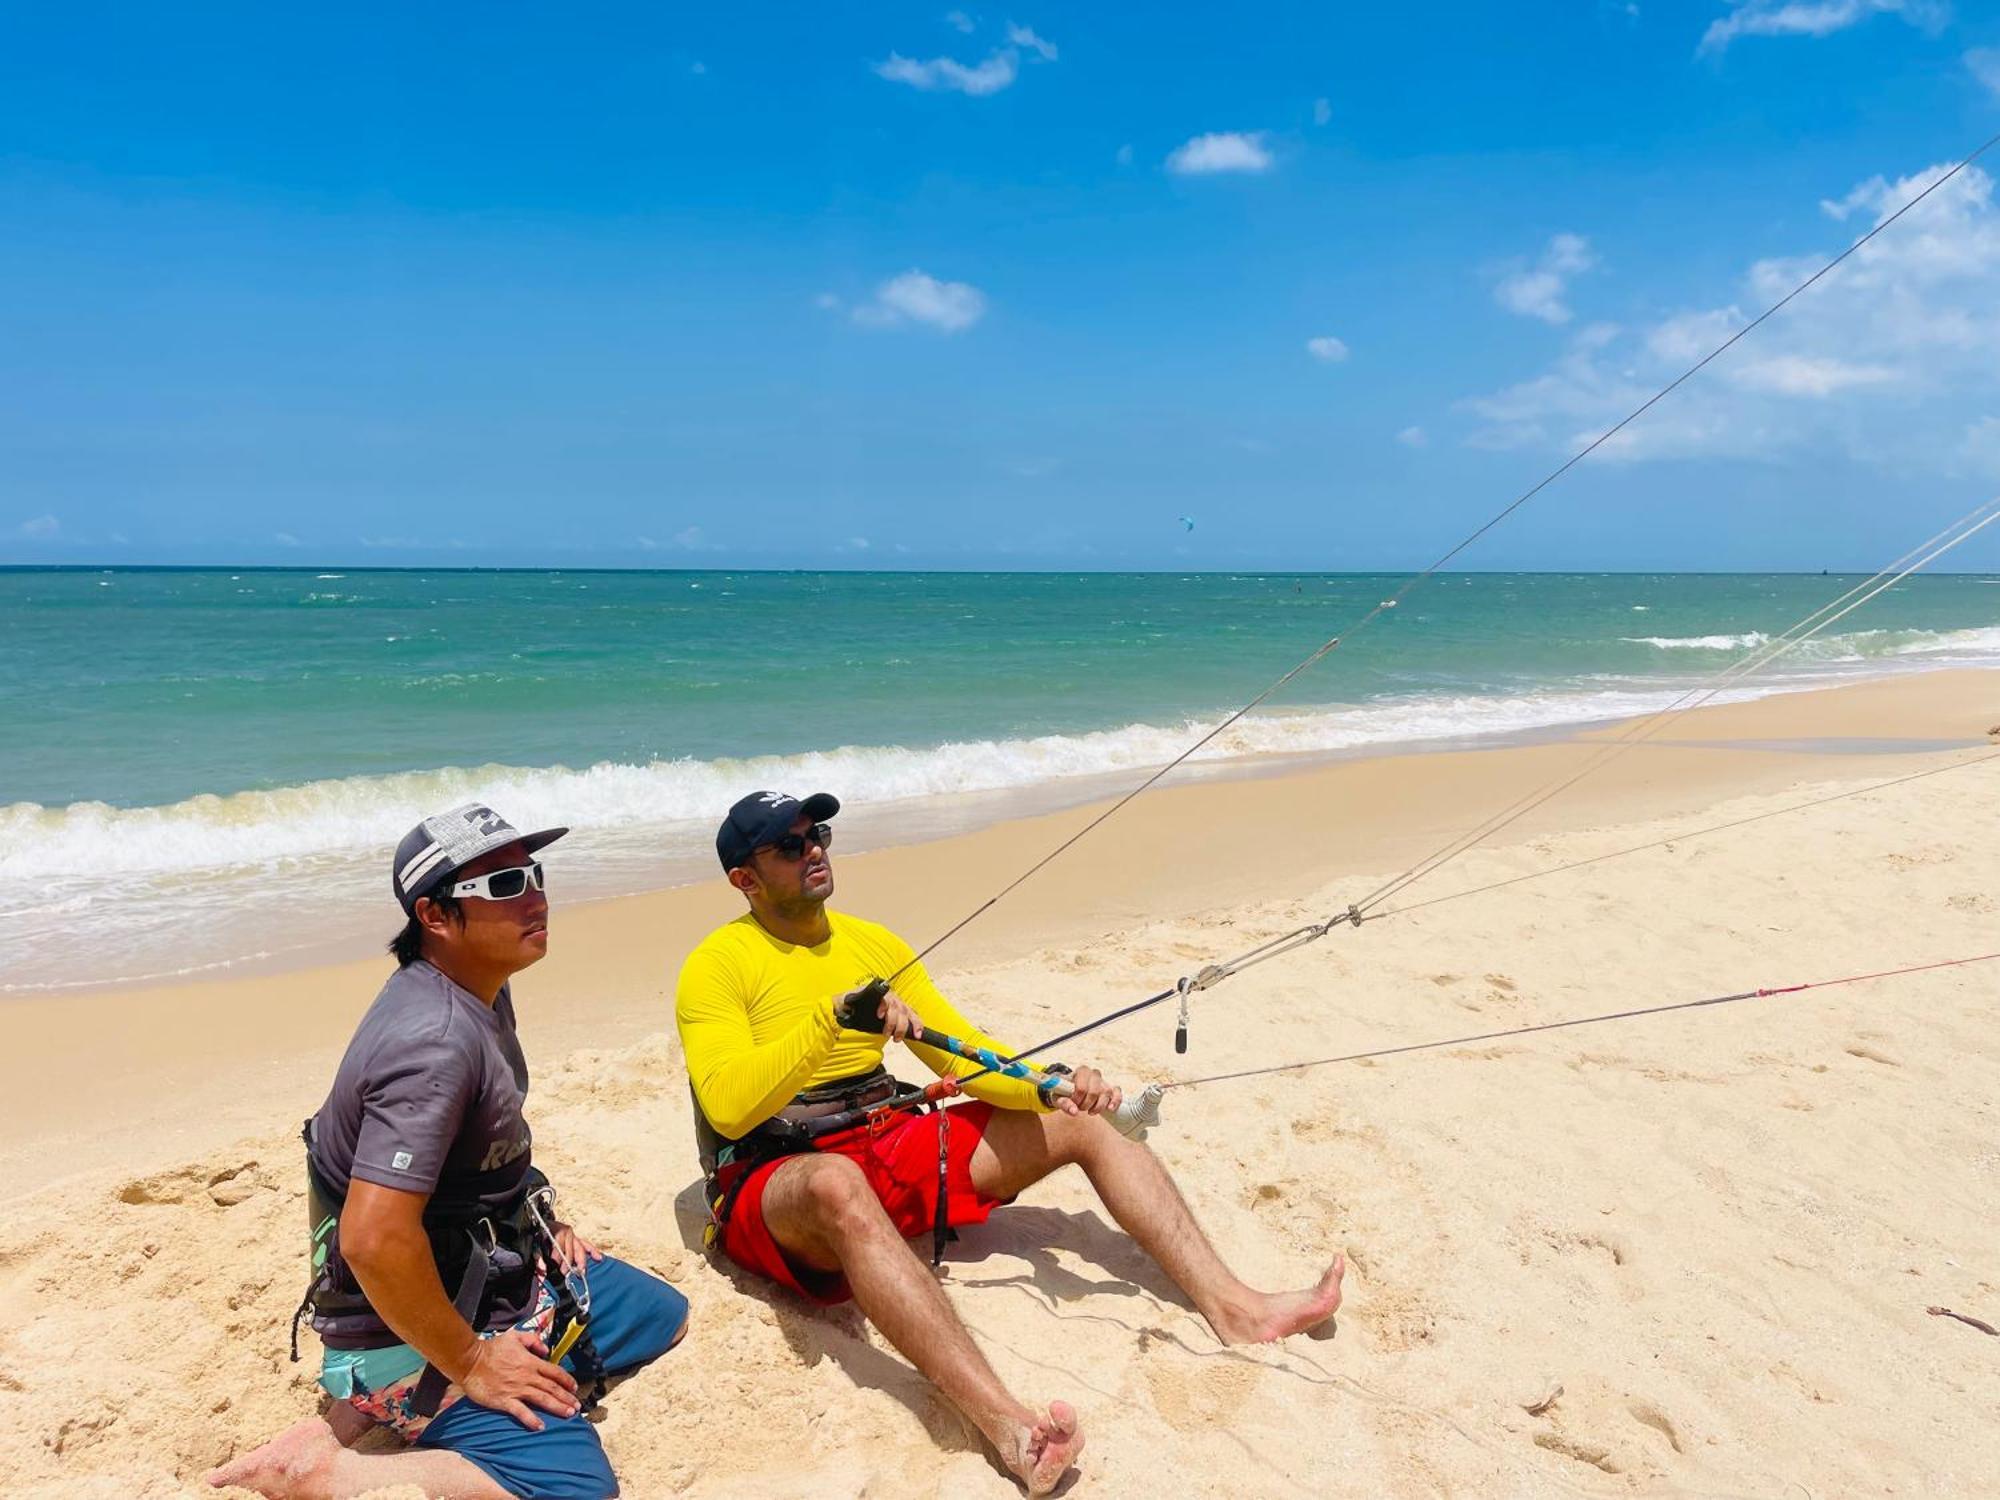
878	1120
542	1209
492	1244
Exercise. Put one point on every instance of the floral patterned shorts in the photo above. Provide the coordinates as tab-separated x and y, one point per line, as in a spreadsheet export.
380	1383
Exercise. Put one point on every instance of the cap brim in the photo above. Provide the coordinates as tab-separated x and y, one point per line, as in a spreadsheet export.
820	806
534	841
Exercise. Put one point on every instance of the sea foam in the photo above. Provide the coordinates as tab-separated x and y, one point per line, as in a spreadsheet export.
292	826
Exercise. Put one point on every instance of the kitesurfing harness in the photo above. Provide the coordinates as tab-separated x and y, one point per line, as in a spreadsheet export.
492	1256
869	1101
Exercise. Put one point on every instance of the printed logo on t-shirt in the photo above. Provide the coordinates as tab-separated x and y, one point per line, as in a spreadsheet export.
500	1152
401	1161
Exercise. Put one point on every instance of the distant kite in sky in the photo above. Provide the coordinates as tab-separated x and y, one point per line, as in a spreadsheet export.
1188	521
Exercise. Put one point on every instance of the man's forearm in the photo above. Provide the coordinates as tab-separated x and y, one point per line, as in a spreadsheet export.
401	1283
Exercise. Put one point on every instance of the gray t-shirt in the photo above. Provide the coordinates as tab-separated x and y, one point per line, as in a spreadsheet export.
428	1097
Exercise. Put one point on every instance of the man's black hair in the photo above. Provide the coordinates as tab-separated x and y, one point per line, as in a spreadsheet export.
408	945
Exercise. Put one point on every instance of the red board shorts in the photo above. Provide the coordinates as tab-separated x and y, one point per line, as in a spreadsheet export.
901	1165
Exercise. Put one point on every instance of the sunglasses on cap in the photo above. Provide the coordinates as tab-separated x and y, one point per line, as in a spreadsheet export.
502	885
793	845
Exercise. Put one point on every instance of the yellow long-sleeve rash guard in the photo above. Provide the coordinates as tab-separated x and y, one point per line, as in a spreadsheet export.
756	1019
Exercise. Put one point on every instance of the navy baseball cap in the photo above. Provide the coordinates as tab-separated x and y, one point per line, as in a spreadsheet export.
763	818
447	842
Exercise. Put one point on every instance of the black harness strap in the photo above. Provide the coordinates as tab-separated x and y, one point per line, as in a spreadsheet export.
941	1230
431	1387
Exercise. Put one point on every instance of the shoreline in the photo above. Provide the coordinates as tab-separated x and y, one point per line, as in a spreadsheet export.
231	1039
900	821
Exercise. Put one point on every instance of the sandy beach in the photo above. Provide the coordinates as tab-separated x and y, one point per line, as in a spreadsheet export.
1688	1254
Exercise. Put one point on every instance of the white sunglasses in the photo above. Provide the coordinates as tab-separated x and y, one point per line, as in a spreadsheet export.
502	885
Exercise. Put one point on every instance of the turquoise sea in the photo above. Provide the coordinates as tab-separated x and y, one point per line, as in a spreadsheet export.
183	745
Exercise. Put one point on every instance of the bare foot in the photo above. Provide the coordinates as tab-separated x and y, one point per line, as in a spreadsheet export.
294	1465
1278	1314
1040	1455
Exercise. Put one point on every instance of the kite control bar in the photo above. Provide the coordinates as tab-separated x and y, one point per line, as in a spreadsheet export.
861	1011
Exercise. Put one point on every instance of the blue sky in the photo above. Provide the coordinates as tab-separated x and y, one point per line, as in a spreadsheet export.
905	286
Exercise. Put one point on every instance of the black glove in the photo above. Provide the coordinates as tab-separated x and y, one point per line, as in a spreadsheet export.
862	1010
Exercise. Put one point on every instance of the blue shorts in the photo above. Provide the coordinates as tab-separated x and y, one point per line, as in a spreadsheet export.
634	1318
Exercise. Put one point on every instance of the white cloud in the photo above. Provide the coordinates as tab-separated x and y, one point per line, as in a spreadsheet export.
1985	65
958	20
1805	375
646	544
855	544
1878	362
1021	36
1327	348
285	539
1222	151
827	302
999	69
1814	18
989	77
1125	156
39	529
691	539
1322	111
913	297
1413	437
1538	292
699	69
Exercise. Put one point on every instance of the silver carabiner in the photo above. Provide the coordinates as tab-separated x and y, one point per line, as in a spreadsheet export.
542	1209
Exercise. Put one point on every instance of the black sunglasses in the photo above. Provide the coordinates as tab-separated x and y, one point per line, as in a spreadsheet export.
793	845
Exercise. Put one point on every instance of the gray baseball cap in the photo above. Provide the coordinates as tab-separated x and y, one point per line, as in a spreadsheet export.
447	842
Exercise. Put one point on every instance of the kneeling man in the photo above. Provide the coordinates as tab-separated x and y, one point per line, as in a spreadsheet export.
779	1025
448	1296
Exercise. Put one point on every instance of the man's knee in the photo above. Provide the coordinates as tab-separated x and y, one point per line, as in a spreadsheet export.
1078	1138
563	1461
838	1199
635	1317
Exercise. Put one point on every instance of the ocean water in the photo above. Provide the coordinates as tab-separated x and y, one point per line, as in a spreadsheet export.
201	768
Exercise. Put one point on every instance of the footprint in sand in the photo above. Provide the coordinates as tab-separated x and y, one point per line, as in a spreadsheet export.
236	1185
1873	1055
1199	1400
1613	1245
1648	1415
1581	1449
225	1186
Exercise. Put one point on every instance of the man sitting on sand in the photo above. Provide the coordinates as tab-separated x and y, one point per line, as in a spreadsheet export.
776	1017
430	1290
